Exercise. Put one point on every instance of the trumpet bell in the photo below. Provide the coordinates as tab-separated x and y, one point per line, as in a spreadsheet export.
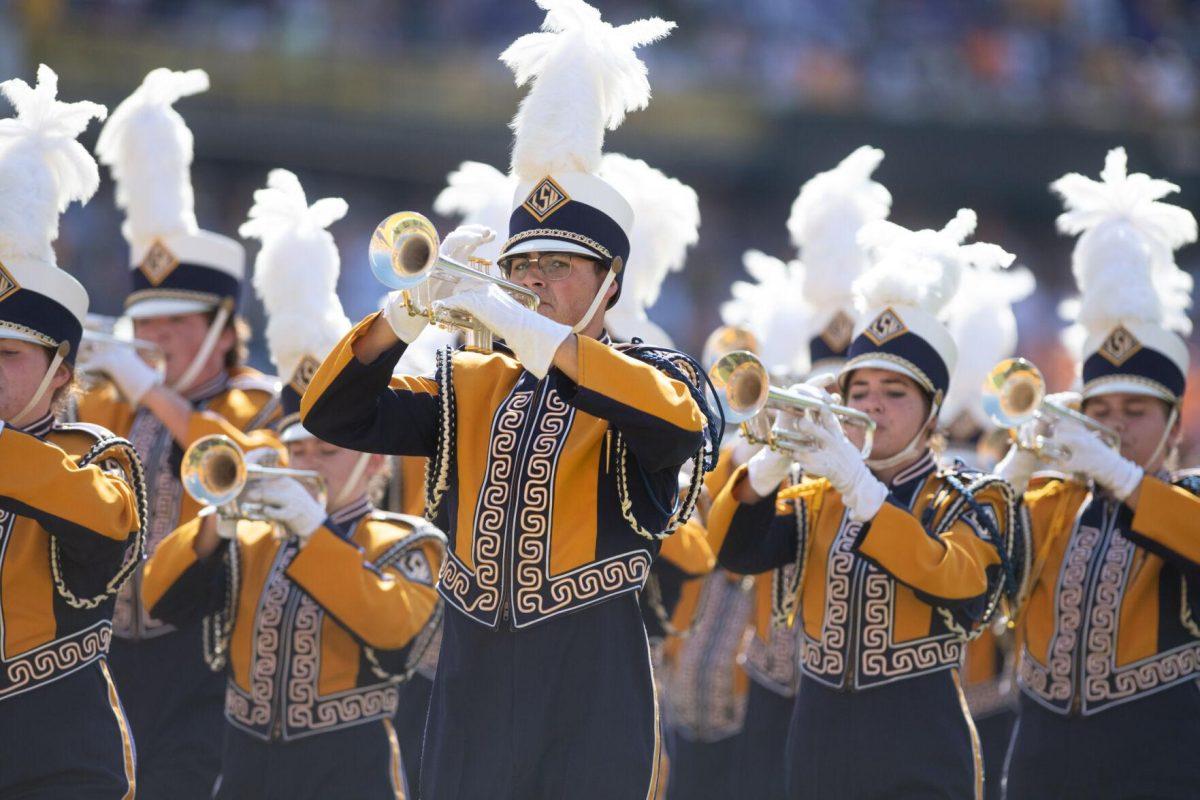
403	250
214	470
727	339
742	385
1013	392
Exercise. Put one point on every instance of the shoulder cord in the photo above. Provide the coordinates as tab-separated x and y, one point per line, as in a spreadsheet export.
785	594
437	469
217	627
123	450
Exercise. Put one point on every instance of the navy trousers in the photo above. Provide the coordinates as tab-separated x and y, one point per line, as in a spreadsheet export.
703	770
176	707
362	762
762	757
995	731
66	739
563	709
410	726
1142	749
911	739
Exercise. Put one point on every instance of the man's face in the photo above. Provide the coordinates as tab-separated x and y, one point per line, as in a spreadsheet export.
565	291
180	337
333	463
22	368
895	402
1141	421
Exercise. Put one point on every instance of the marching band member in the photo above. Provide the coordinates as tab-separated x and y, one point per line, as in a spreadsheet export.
71	497
318	624
186	283
984	330
544	684
896	562
1110	645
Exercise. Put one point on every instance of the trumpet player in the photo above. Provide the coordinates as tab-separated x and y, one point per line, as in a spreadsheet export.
1110	644
897	564
555	457
185	287
71	499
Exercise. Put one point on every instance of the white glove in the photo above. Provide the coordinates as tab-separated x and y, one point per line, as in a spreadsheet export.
226	520
460	244
1017	467
534	339
132	376
287	502
405	325
1092	457
766	469
837	459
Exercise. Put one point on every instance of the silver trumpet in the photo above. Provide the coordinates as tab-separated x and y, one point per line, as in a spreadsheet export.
404	256
102	333
215	473
1014	394
745	393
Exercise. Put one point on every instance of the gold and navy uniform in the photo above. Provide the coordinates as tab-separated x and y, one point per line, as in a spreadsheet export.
69	523
314	639
1110	646
172	698
882	610
553	493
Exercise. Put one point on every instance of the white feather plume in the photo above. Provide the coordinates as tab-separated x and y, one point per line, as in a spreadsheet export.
479	194
826	216
771	306
296	271
666	222
42	166
1124	261
984	329
921	269
148	147
586	77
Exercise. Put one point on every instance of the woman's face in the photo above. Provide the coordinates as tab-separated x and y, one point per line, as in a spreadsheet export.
898	406
1141	422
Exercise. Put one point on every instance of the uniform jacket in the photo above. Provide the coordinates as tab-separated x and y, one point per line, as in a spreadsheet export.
552	492
65	533
235	405
318	632
885	600
1112	602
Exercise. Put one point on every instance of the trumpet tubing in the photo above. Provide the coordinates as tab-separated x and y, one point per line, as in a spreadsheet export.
404	256
215	473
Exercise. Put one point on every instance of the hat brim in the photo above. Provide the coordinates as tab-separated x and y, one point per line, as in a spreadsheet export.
548	246
1123	385
295	433
166	307
21	336
896	365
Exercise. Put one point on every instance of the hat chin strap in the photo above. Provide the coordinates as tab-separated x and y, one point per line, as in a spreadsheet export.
1162	442
911	450
599	298
206	347
20	419
347	493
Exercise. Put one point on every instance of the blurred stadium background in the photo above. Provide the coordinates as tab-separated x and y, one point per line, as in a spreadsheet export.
977	103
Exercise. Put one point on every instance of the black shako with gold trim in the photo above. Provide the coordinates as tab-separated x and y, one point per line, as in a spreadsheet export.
527	475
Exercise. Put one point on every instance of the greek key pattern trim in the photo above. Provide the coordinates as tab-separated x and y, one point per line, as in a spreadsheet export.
56	659
825	659
881	659
253	709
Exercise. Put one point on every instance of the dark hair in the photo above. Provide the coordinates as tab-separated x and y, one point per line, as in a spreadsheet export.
236	355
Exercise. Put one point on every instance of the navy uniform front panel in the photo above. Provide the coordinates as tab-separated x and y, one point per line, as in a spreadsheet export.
359	763
762	751
67	739
705	770
1134	750
563	709
913	739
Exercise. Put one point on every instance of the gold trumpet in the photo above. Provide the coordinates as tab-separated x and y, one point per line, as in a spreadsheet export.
404	255
1014	394
727	339
745	393
215	473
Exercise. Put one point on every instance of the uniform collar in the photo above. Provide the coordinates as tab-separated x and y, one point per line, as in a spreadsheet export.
39	428
907	480
347	517
209	389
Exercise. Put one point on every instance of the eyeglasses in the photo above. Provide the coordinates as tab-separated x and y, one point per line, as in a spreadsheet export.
553	266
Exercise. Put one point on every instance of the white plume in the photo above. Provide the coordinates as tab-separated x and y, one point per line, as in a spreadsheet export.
479	194
42	167
771	306
296	271
586	77
827	215
1124	261
666	222
924	268
984	329
148	147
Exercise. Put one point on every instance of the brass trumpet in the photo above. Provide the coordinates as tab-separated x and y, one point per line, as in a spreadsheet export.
1014	394
727	339
215	473
404	255
745	393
